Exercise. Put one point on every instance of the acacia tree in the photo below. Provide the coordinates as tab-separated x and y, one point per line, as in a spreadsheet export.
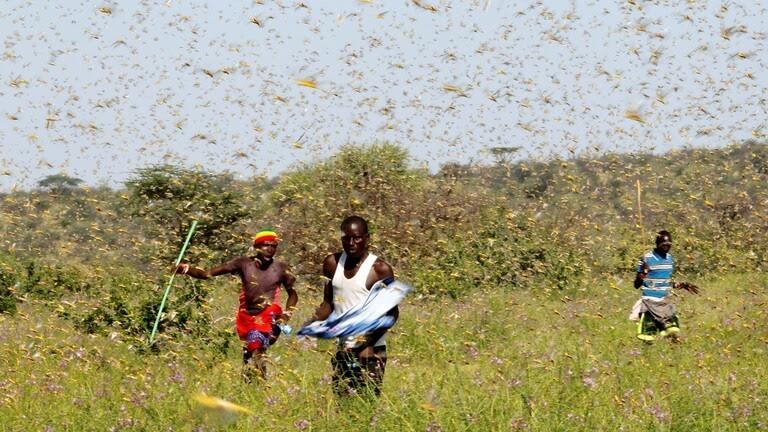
503	155
59	183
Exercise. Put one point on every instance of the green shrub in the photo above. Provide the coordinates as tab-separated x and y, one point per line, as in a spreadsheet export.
8	282
46	282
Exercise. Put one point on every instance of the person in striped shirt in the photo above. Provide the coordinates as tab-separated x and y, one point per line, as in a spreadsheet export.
656	315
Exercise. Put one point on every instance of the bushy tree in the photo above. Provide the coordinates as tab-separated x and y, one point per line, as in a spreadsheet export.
169	198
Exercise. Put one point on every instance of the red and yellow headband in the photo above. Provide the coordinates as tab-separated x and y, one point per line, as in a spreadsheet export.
265	236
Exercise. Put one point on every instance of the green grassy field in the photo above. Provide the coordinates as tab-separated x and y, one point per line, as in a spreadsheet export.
497	361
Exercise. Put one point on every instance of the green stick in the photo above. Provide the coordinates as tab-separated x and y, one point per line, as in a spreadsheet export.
170	281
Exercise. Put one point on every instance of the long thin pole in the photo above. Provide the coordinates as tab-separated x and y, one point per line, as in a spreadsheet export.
170	281
639	208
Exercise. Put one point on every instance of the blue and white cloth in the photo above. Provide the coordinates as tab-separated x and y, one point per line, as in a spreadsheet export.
366	317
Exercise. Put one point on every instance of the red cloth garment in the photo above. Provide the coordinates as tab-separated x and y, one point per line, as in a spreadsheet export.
256	330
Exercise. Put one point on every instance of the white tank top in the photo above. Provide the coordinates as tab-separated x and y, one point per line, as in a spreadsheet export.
348	293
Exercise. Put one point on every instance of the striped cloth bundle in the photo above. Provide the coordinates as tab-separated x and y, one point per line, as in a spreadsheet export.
364	318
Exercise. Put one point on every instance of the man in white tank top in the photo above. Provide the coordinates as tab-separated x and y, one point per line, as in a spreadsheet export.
359	362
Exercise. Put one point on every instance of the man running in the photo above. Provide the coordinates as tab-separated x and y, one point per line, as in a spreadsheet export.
360	361
656	314
259	313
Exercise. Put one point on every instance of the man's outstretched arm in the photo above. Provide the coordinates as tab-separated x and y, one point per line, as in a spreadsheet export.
198	273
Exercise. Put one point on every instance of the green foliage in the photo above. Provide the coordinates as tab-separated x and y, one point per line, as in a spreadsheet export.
87	226
8	280
502	155
579	216
130	305
51	282
169	198
504	250
711	200
108	300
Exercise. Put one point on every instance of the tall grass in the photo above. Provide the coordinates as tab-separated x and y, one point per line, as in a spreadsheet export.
497	360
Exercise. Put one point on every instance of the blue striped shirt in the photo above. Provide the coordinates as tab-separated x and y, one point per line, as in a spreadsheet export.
657	283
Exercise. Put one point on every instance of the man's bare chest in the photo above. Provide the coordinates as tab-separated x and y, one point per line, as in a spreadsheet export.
260	280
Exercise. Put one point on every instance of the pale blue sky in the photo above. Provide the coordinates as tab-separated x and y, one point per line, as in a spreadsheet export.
99	89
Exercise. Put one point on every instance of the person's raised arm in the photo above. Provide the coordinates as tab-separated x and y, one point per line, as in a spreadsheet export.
198	273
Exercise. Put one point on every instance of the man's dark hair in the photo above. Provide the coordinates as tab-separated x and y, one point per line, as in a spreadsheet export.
355	219
663	235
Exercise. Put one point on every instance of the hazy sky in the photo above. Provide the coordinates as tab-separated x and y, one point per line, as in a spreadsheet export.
97	90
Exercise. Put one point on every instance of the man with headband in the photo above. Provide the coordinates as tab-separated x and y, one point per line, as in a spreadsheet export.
655	313
259	314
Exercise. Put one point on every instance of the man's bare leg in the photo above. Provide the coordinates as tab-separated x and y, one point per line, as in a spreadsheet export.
254	365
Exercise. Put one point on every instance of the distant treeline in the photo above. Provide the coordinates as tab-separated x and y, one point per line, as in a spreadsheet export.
548	225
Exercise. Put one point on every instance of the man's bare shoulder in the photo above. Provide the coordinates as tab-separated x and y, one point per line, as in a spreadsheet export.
332	258
382	268
329	264
242	260
380	262
234	265
283	266
282	263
